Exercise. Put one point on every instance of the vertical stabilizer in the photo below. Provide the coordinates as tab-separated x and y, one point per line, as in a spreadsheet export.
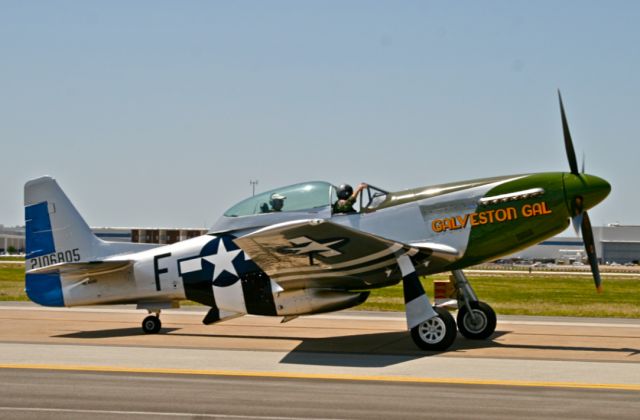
55	231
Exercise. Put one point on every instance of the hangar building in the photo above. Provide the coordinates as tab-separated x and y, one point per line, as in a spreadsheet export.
618	243
614	243
13	237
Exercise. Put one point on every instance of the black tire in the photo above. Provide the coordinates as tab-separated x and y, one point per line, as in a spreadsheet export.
151	324
435	334
485	323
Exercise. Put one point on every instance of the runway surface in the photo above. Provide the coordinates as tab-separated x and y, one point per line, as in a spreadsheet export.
97	363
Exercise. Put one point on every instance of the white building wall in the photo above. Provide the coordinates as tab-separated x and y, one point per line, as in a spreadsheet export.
552	249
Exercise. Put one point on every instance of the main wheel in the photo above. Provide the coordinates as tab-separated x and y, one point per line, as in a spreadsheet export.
436	334
151	324
482	326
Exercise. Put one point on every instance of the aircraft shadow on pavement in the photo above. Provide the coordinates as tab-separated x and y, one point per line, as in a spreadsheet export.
462	344
112	333
365	350
380	350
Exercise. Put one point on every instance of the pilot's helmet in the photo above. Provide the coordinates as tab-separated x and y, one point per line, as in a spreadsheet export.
345	191
277	200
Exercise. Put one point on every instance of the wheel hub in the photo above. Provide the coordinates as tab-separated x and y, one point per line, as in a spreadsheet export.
475	322
432	331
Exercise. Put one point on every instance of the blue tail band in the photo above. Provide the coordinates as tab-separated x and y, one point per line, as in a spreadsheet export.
39	237
44	289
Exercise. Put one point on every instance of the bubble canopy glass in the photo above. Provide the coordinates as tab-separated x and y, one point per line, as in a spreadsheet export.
306	196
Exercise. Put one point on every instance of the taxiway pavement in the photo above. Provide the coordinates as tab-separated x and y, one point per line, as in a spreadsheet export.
97	361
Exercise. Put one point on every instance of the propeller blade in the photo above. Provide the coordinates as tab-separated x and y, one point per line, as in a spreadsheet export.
583	165
568	143
590	247
577	223
578	210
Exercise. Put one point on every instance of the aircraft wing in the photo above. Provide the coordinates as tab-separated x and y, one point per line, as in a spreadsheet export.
92	268
320	253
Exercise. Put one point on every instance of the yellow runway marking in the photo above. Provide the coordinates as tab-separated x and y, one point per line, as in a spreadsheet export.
336	377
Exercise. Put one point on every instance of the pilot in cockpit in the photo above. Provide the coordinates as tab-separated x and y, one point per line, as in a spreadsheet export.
347	198
276	202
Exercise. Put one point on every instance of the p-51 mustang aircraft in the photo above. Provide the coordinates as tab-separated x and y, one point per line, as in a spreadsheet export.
287	253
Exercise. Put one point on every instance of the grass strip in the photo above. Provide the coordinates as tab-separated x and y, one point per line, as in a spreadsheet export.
10	258
508	294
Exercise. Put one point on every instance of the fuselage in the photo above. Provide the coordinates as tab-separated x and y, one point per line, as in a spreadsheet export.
480	220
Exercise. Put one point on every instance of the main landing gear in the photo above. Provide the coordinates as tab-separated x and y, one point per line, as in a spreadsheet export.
432	328
152	324
476	320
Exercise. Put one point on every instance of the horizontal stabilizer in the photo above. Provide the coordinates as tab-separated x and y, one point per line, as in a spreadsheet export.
92	268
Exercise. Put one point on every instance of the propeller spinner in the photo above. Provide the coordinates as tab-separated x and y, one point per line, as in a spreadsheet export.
583	192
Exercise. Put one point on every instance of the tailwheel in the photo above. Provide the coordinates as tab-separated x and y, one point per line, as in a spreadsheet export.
437	333
151	324
478	323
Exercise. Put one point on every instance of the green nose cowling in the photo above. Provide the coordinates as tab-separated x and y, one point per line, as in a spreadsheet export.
591	188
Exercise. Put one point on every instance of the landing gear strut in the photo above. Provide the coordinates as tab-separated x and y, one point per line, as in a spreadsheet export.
476	320
432	328
152	324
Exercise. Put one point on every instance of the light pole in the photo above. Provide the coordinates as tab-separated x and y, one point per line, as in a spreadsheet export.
253	183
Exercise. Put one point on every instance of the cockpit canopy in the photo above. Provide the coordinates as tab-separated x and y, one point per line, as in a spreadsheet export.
306	196
306	200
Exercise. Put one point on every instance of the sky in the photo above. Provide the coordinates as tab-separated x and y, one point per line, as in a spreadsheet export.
159	113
